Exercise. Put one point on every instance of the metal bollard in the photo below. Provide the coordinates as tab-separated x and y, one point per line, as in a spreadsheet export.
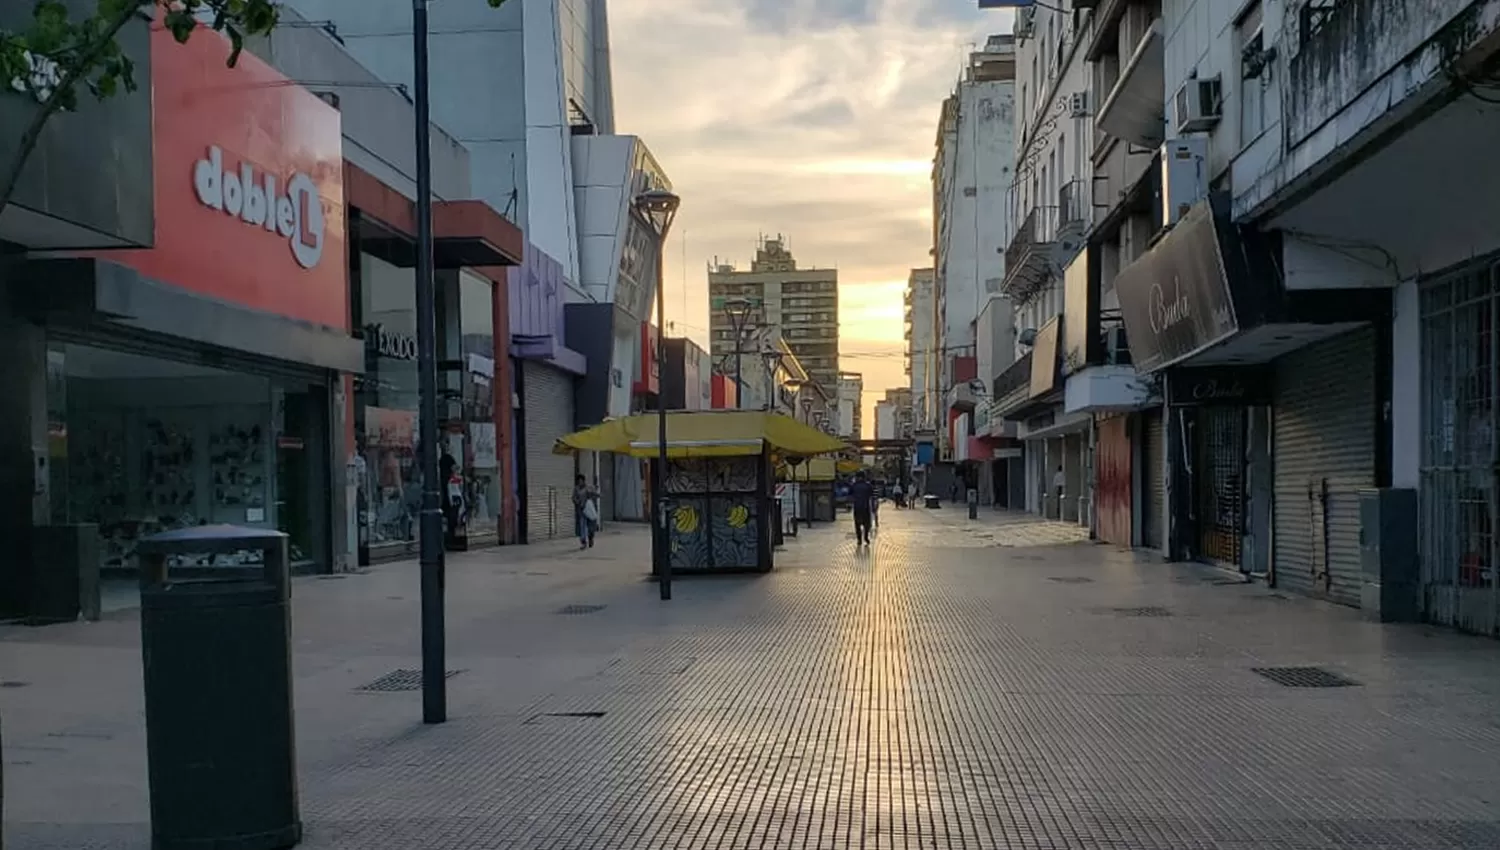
973	495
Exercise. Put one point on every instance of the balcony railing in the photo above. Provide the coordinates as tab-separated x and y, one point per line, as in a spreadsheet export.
1013	386
1028	258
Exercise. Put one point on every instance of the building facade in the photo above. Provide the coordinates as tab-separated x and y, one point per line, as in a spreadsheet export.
159	387
380	187
972	178
849	401
799	304
921	360
1279	386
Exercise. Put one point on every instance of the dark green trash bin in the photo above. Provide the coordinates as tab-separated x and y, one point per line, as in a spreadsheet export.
216	646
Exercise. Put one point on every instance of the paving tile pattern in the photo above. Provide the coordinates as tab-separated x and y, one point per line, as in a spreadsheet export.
942	689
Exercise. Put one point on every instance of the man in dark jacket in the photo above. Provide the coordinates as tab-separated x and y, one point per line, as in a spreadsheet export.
862	499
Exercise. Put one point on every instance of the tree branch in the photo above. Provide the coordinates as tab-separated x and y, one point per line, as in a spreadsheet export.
70	78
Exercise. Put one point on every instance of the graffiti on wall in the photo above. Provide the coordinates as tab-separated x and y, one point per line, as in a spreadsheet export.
714	521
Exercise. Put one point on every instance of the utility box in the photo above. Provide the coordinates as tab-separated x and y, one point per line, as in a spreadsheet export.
1389	556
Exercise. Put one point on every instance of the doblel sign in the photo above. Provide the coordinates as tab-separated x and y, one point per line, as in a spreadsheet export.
255	199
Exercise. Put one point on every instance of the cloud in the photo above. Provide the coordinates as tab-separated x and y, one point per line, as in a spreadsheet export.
814	119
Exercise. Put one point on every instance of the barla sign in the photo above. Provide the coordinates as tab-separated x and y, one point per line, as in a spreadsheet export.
296	216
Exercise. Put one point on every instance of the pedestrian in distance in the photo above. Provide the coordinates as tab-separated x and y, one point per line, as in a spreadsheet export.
862	500
584	504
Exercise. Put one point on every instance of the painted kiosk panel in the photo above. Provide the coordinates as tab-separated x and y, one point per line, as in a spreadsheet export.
720	479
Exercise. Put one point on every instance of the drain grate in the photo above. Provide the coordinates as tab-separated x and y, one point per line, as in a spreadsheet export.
580	609
400	680
1070	579
1304	677
13	684
562	715
1143	611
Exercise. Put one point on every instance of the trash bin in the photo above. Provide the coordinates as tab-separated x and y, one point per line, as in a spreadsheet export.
778	530
216	651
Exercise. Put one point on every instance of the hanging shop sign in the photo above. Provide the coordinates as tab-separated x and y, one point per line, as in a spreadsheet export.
253	198
1245	386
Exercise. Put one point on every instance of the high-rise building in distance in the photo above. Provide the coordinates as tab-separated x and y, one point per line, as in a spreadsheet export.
800	304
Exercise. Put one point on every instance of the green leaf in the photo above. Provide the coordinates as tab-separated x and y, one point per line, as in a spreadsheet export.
181	22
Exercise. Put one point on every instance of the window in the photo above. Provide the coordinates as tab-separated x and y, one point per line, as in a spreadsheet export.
1255	74
1062	156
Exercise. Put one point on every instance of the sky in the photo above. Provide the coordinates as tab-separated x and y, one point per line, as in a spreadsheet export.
813	119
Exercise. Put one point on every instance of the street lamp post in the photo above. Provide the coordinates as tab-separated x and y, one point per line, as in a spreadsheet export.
430	519
659	208
773	359
738	311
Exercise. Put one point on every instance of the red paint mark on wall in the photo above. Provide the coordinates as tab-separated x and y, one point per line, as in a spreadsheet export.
1112	472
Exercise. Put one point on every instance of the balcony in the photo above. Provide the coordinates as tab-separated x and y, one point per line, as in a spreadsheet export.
1013	387
1109	383
1030	263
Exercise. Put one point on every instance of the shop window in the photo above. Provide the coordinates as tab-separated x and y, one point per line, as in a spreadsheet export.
141	444
479	444
388	496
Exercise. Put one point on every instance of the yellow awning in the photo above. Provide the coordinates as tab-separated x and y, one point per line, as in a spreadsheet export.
706	433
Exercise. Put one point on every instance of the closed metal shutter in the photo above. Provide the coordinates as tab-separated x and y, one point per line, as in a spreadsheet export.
1323	454
548	408
1153	450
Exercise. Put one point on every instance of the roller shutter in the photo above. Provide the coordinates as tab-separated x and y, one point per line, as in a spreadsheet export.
1154	483
547	400
1323	454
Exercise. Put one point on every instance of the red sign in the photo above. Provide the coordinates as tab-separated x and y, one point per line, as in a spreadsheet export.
650	380
249	184
725	393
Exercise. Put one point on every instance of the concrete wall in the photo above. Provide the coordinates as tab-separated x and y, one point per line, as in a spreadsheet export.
378	121
496	86
995	338
974	224
84	185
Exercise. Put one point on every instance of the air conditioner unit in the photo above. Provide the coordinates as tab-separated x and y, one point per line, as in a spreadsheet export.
1025	25
1184	176
1078	104
1199	104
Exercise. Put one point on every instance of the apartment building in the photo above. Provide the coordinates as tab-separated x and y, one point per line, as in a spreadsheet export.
1053	210
799	304
971	179
920	331
1294	238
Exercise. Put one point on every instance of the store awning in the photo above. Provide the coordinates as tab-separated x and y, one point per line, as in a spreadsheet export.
817	469
726	433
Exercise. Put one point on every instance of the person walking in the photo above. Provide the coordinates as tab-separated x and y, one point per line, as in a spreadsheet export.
861	499
583	504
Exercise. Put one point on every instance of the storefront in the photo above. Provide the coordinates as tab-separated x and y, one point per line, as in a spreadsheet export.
197	382
1326	433
546	371
472	245
1271	429
1223	479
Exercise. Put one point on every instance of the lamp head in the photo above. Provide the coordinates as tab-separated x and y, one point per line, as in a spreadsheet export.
659	206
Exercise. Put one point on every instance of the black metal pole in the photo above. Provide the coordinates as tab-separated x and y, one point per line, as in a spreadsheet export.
659	469
739	377
434	674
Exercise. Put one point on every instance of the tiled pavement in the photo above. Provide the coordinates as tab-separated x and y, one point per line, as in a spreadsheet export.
963	684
